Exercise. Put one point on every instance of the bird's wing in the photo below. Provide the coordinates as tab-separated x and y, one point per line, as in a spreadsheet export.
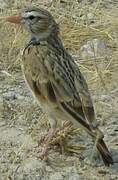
72	96
72	93
82	89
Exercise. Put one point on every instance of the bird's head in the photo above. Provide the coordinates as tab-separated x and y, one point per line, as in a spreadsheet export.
39	22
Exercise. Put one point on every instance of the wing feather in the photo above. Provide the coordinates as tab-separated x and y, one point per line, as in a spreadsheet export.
71	87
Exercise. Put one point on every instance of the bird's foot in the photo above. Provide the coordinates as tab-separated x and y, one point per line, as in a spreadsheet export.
45	143
55	137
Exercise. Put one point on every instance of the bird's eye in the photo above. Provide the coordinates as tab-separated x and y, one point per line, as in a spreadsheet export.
31	17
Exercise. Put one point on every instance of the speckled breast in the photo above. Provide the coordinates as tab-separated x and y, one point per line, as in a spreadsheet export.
33	63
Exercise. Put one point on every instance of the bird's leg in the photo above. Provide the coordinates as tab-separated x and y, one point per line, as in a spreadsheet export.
55	137
45	141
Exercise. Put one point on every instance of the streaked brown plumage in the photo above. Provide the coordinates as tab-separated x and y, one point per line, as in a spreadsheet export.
54	77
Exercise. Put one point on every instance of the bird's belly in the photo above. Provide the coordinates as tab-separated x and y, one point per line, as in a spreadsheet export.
40	93
59	114
37	84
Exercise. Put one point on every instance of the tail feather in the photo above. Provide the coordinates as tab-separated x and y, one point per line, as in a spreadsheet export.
101	146
104	152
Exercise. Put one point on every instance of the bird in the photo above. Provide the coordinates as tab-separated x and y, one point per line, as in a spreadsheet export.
54	77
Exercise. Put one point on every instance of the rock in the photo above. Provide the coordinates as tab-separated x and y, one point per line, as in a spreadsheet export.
10	95
94	48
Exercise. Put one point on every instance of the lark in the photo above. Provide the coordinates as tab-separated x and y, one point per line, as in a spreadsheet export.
54	77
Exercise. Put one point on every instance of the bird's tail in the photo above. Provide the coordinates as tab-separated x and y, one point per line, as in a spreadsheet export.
93	132
104	152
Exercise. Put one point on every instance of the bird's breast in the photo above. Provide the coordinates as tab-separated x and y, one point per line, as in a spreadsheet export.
37	75
33	63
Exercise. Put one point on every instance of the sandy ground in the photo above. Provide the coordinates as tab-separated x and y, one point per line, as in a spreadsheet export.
22	122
